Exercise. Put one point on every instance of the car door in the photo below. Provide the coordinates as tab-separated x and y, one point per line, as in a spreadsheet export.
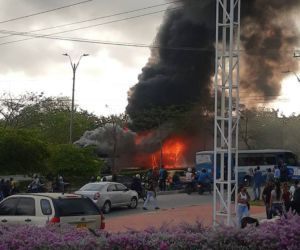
8	210
112	194
122	192
26	211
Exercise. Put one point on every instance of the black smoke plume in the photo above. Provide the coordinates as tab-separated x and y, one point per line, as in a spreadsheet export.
179	77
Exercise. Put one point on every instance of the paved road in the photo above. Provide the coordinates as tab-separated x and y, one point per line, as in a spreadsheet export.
165	201
175	209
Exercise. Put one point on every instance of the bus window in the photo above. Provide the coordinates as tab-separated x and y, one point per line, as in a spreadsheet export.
290	159
270	159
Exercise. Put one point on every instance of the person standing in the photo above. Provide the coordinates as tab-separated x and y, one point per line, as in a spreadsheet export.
1	189
286	197
266	196
151	194
270	176
292	191
257	181
277	174
242	209
276	202
162	178
189	181
61	184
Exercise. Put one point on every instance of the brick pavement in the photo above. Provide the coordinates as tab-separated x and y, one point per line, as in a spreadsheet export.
172	216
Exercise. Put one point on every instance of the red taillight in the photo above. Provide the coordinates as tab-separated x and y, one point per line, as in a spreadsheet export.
55	220
102	225
96	196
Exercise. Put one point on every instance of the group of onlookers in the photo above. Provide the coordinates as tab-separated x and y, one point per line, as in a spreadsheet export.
280	198
278	195
7	188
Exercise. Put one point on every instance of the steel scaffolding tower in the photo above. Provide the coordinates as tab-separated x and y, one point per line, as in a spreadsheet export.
226	111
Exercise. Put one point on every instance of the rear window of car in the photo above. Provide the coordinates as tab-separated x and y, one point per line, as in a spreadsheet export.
92	187
75	207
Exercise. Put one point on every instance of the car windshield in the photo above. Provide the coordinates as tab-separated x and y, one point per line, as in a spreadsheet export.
75	206
92	187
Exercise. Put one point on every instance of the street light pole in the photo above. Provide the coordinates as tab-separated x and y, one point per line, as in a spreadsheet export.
74	67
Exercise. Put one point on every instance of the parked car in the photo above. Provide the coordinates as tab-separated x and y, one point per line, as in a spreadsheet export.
109	194
43	208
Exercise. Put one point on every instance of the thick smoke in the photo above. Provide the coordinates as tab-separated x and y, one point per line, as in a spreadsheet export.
177	77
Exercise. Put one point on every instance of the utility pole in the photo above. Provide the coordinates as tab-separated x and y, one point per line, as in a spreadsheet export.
74	68
227	112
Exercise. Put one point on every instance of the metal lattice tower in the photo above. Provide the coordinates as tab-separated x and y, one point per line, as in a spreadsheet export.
226	111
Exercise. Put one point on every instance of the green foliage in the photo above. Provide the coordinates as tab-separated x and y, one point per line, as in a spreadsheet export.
48	116
72	161
21	151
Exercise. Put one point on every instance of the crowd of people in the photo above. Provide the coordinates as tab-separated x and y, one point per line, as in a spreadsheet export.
7	188
10	186
280	195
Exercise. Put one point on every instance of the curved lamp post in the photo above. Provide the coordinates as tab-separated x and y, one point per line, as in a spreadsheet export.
74	68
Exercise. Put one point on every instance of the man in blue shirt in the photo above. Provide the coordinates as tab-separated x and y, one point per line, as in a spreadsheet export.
204	181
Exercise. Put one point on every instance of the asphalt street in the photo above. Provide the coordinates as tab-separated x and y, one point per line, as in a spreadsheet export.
165	201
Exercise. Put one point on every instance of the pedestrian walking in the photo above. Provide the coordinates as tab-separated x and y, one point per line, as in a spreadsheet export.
242	209
151	194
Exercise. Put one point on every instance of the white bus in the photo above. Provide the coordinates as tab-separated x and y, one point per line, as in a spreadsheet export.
250	159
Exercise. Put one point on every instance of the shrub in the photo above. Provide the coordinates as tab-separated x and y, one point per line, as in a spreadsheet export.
283	234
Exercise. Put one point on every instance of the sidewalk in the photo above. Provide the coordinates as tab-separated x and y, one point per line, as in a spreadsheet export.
175	216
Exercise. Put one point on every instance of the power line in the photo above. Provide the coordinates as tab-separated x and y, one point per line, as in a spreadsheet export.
43	12
51	36
125	44
29	34
97	18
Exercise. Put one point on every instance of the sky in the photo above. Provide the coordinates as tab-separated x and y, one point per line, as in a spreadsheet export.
105	76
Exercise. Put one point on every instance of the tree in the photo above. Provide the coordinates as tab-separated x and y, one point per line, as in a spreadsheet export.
22	151
49	116
72	161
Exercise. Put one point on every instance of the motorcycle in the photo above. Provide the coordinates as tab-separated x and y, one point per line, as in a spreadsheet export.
204	187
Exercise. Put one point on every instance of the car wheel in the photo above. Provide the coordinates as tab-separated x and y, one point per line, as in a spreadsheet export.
106	207
133	202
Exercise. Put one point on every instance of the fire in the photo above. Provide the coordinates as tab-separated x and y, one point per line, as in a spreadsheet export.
172	155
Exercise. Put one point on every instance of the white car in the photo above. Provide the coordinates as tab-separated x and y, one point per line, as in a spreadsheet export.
109	194
43	208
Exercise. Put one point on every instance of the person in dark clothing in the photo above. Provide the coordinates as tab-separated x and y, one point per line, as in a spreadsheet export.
1	189
286	197
136	185
6	189
283	171
296	200
162	178
266	195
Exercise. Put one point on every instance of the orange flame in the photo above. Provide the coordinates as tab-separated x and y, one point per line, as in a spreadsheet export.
172	154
